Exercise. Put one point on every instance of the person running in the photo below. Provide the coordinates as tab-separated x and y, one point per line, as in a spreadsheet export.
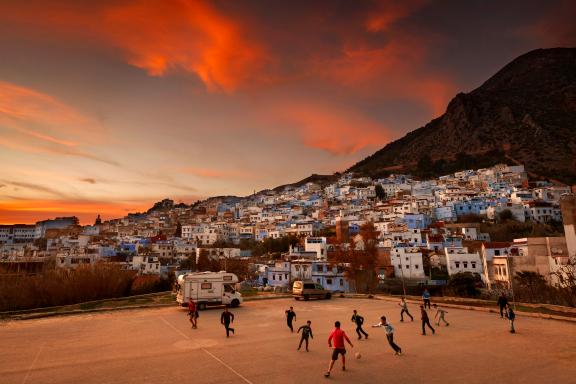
306	332
226	319
511	317
502	303
359	320
425	321
389	334
290	316
404	310
426	298
440	315
337	336
193	313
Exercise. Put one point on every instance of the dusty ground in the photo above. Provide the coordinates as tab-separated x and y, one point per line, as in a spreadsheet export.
159	346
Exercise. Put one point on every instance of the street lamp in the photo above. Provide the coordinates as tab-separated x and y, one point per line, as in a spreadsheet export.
510	279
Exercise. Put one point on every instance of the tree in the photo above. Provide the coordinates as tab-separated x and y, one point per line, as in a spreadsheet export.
178	232
362	263
204	262
566	277
188	264
464	284
505	215
531	282
380	194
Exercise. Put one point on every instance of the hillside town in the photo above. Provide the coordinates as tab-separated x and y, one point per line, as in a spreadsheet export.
423	232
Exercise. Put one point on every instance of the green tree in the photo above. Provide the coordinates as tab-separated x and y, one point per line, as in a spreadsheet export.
178	232
505	215
532	283
188	264
380	194
464	284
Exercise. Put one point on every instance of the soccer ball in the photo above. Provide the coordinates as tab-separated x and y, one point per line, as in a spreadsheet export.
358	355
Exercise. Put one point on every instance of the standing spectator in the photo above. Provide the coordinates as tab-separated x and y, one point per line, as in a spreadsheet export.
389	334
226	319
404	310
290	316
511	317
502	303
193	313
306	332
425	321
337	336
440	315
359	320
426	298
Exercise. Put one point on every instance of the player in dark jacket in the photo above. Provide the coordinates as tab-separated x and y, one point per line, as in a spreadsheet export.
306	333
359	320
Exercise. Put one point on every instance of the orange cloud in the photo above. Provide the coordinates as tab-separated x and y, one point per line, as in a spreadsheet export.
394	71
160	36
335	129
32	121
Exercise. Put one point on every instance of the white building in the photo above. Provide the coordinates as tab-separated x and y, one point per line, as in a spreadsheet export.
146	264
408	262
460	260
318	245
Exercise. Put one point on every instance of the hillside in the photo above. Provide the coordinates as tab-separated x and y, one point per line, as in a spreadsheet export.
525	113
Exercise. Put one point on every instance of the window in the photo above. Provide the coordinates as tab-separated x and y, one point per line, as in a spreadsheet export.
497	252
279	277
465	264
329	281
341	282
318	281
457	264
273	277
297	268
286	276
415	266
407	267
473	265
206	286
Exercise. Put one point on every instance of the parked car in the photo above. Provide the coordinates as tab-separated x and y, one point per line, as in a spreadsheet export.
307	289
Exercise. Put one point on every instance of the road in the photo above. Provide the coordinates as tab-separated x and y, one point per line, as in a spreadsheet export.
159	346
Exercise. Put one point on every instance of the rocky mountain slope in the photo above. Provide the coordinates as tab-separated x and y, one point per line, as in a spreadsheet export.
525	113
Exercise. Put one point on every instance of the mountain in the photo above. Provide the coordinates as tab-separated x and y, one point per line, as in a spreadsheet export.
525	113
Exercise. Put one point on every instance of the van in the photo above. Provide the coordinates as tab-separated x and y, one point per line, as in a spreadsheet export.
208	288
307	289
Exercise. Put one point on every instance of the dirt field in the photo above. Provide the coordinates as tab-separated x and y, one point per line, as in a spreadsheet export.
159	346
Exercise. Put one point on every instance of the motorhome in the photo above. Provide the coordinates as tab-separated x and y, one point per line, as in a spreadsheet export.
208	288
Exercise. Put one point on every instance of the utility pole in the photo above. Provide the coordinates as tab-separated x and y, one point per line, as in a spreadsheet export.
402	274
510	279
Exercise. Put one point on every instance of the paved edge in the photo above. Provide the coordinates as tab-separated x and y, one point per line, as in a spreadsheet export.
273	297
468	307
39	315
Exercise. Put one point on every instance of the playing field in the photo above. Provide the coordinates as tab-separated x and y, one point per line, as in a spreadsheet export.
159	346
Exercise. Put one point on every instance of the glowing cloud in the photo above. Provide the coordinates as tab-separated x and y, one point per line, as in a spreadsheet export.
332	128
161	36
32	121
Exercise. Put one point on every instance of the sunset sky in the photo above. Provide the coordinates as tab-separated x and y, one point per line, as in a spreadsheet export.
107	106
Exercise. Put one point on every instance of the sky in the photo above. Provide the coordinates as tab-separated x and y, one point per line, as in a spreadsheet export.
107	106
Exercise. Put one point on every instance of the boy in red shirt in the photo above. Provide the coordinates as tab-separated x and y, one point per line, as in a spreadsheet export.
337	336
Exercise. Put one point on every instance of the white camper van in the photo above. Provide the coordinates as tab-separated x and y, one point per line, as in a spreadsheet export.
208	288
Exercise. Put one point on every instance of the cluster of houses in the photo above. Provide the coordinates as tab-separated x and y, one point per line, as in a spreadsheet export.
420	229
